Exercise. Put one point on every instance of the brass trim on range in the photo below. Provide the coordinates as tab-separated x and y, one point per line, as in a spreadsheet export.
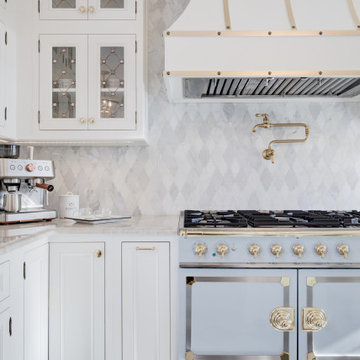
263	73
259	33
354	13
311	281
227	14
290	14
314	319
283	319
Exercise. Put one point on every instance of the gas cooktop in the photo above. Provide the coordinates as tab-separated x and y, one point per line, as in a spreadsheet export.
270	218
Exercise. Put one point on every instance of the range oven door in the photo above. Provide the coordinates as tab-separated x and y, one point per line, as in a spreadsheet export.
237	314
329	314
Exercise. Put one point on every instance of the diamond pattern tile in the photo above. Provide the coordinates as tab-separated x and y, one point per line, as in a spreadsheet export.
205	156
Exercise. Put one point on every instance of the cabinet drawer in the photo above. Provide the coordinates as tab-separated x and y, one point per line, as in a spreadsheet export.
4	280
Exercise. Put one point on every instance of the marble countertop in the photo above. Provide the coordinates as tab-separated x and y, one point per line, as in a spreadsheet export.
151	225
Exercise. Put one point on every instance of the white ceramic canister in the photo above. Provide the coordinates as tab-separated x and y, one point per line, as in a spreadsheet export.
68	205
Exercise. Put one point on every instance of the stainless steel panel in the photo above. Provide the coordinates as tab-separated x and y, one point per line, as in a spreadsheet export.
271	87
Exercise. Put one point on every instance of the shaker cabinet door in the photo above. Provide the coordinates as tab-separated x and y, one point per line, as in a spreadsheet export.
5	335
2	74
63	9
146	301
36	308
329	314
77	301
63	82
112	82
237	314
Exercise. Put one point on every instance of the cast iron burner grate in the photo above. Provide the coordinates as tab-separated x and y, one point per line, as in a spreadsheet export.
283	218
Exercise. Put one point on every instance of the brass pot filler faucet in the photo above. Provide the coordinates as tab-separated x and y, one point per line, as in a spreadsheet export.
269	153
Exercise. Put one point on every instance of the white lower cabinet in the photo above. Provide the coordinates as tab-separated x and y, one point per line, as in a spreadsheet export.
146	301
76	324
36	303
5	335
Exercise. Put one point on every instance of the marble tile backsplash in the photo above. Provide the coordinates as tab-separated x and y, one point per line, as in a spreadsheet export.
205	155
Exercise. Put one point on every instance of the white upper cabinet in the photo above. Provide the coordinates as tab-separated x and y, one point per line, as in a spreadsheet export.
87	9
87	87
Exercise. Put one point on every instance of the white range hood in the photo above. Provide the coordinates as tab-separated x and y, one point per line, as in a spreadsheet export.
238	50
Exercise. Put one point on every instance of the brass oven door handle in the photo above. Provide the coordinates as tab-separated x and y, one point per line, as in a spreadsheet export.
314	319
283	318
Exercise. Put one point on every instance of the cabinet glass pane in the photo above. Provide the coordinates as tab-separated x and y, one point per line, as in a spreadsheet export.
112	4
64	82
63	4
112	82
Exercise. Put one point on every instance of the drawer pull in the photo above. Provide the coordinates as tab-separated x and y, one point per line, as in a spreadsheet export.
145	248
10	326
98	253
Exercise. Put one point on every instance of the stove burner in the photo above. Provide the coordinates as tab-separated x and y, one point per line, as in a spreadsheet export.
284	218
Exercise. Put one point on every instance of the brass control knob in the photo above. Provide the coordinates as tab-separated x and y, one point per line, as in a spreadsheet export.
321	250
276	250
298	250
254	250
200	250
222	249
343	250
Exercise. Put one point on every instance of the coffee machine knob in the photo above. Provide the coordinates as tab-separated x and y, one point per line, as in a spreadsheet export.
30	167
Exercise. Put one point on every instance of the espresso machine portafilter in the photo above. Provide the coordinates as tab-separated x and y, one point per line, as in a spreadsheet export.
23	189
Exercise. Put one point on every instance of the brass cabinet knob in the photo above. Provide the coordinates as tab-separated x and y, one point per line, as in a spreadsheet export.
314	319
82	9
276	250
91	9
200	250
98	253
298	250
82	120
254	250
283	319
343	250
321	250
91	120
222	249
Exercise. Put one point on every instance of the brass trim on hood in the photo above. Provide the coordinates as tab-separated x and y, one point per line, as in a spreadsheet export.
264	73
227	14
291	14
353	13
259	33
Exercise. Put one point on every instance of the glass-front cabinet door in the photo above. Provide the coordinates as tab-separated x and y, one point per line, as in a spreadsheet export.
237	314
87	9
63	82
112	9
329	314
64	9
112	88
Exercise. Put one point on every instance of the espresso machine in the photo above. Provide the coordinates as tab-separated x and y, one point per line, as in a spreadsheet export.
23	188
